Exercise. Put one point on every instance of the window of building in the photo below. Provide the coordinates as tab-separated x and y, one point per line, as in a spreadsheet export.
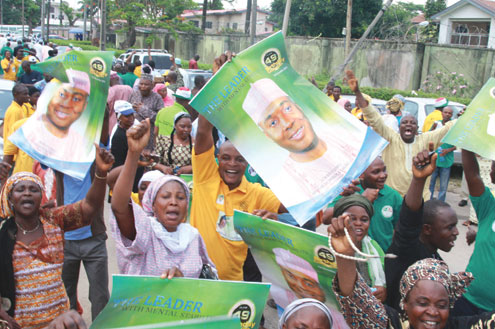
209	25
473	34
228	25
53	16
196	23
52	10
234	26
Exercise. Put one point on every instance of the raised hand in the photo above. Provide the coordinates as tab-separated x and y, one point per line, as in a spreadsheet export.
371	194
351	81
138	136
424	163
339	240
104	160
222	59
351	188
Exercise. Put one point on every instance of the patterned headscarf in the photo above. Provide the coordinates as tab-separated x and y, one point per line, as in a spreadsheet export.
302	303
352	200
152	190
6	209
434	270
395	104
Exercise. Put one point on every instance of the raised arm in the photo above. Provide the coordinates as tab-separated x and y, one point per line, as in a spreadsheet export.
472	173
128	59
414	195
137	139
95	197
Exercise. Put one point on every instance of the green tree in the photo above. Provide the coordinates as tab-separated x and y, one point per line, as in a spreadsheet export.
12	12
313	17
70	13
396	21
215	4
432	7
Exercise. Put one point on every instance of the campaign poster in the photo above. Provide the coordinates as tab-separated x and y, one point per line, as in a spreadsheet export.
297	262
146	300
475	129
302	144
223	322
70	111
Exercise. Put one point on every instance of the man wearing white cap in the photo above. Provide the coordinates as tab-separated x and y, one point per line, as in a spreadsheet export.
50	134
436	115
316	161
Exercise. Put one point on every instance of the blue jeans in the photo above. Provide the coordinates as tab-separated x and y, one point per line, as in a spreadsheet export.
444	175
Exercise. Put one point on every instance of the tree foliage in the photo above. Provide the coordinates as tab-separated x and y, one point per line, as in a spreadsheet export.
215	4
396	21
12	12
151	14
325	17
70	13
432	7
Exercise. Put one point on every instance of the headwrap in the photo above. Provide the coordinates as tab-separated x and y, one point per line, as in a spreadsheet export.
298	304
343	101
290	261
395	104
434	270
158	87
6	210
181	115
146	76
352	200
150	194
151	176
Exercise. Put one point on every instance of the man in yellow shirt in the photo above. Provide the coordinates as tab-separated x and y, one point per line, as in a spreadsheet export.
15	111
11	152
9	66
436	115
217	191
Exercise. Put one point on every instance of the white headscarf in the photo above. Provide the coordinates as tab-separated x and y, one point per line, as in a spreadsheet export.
302	303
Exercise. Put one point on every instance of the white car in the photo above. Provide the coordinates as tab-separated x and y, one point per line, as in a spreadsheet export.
379	104
189	75
160	57
421	107
5	101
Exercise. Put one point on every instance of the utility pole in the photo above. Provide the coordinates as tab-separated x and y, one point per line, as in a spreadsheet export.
23	20
348	27
103	24
1	12
60	13
48	21
85	15
254	18
248	16
203	17
42	19
285	23
91	22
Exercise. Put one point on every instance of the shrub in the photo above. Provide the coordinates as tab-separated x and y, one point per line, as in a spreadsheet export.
446	83
85	45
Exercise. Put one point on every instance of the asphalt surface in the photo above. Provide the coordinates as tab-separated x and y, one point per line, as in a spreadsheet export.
457	258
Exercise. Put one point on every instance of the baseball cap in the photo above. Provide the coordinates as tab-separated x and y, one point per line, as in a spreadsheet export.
123	108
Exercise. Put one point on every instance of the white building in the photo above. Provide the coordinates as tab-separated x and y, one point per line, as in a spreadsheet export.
468	23
218	21
55	13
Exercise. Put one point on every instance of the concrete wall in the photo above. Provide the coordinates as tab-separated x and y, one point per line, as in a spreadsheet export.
397	65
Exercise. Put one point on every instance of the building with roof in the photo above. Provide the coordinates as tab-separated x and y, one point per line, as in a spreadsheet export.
468	23
233	20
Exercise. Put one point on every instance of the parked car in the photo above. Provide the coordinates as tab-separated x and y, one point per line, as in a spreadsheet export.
379	104
189	75
421	107
160	57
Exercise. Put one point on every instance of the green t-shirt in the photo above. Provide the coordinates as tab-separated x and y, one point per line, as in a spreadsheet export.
165	118
482	262
447	160
129	79
386	214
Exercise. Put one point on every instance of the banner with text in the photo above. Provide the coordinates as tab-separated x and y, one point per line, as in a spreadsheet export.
69	115
475	129
302	144
297	262
143	300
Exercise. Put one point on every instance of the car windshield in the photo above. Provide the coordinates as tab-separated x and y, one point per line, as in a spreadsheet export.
412	108
161	62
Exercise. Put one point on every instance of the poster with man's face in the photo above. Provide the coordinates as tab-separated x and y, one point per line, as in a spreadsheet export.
69	113
301	143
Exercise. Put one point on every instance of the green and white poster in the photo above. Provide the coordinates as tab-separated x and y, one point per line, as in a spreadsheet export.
70	112
297	262
302	144
475	129
145	300
223	322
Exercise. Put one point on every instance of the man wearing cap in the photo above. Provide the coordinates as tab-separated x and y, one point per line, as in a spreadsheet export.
165	118
436	115
146	103
311	160
30	77
67	103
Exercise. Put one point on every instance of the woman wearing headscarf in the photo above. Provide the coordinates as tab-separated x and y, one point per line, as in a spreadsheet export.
346	104
175	150
32	245
154	240
306	313
360	210
428	291
161	89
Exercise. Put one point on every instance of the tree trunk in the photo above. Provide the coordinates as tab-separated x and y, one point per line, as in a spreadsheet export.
248	16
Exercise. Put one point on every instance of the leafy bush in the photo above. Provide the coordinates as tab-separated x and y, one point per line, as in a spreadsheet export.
446	83
203	66
85	45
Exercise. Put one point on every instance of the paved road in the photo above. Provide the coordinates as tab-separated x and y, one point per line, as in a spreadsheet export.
457	259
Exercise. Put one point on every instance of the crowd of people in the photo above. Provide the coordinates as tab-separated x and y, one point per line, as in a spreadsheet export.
151	136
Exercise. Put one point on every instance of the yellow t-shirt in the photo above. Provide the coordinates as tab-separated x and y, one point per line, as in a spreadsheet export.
358	113
137	71
212	199
11	74
14	113
135	198
28	109
23	162
430	120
